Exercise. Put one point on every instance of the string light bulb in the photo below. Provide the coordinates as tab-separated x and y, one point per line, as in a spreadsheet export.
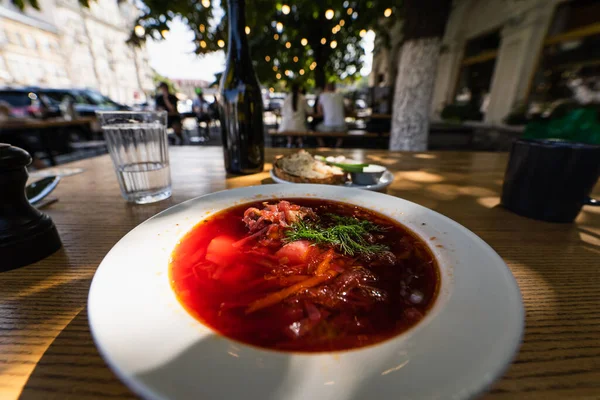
202	28
295	58
247	30
285	9
350	10
203	44
333	44
288	45
279	27
301	72
267	58
304	41
387	12
221	43
164	33
205	3
278	76
362	33
139	31
275	68
342	22
323	40
329	14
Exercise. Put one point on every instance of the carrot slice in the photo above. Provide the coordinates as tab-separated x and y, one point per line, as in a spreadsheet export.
288	280
324	265
274	298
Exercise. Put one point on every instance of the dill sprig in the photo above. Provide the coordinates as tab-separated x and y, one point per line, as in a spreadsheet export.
347	234
351	221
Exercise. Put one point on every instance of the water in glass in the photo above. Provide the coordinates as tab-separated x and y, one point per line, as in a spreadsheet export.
139	150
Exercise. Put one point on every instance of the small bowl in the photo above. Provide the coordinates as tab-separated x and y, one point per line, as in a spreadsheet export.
370	175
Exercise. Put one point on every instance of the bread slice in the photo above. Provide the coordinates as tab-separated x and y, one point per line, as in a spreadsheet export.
301	167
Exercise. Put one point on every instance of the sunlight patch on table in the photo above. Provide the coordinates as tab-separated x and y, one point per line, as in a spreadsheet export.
425	156
489	202
590	238
47	285
444	192
383	160
420	176
477	191
400	184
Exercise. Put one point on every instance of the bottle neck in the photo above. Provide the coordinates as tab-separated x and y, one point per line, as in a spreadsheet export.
238	45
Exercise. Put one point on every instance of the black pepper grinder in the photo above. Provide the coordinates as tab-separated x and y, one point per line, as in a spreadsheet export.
26	234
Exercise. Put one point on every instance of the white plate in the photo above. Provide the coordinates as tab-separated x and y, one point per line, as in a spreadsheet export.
386	180
161	352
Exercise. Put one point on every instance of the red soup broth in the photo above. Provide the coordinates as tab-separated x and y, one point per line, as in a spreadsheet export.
217	284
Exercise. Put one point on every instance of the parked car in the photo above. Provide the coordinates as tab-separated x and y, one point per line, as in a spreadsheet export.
87	101
27	102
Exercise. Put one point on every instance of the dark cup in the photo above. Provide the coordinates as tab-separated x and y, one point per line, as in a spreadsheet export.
550	180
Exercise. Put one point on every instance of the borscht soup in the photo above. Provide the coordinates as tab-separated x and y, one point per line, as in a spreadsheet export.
304	275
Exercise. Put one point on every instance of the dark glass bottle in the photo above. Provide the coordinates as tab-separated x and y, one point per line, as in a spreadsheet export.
240	103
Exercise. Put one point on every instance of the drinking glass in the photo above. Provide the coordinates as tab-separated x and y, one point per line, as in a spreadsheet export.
137	143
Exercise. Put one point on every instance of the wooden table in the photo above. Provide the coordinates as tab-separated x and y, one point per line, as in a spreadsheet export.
40	127
347	134
22	124
46	350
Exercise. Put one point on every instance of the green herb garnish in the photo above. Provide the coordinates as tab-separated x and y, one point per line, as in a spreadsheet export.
347	234
344	166
349	167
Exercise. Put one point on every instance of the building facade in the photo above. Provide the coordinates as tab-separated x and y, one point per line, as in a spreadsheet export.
188	86
502	54
66	45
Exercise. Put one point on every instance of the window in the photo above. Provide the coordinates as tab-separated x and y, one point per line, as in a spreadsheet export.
44	43
3	69
569	66
97	98
15	98
572	15
30	41
15	38
58	96
476	74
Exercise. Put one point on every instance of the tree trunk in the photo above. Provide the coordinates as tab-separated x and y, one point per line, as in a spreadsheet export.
413	94
424	25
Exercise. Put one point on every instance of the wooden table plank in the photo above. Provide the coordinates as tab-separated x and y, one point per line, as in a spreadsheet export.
46	350
30	123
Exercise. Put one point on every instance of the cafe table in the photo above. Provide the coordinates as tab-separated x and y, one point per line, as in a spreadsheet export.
42	128
47	352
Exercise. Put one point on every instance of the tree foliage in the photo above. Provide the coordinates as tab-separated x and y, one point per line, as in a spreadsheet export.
288	40
292	39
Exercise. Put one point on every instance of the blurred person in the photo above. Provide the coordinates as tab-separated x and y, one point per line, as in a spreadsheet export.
200	108
317	117
293	114
168	102
213	109
331	106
